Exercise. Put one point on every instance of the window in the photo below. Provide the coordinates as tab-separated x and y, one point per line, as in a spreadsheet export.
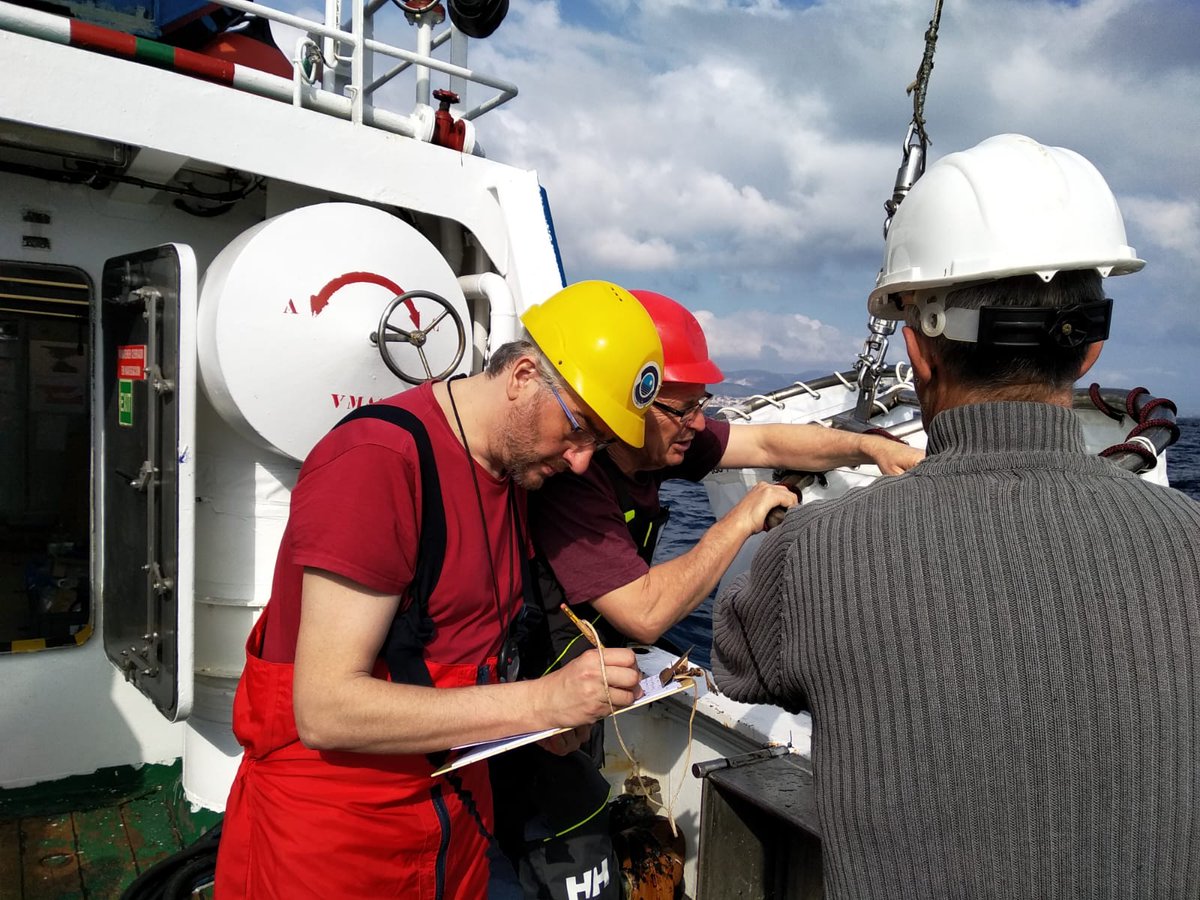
45	456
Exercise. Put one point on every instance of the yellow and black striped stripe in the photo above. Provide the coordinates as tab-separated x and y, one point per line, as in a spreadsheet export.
32	645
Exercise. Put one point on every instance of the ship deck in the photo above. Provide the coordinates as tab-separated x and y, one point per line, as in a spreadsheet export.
91	836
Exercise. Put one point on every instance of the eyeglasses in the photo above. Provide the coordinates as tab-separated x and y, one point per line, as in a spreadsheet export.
687	413
583	436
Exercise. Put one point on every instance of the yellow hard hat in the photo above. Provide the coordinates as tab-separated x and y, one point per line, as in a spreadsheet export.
605	346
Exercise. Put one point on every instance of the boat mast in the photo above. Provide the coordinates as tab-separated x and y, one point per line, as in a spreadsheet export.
870	363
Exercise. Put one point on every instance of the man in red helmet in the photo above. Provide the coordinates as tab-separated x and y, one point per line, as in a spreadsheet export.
595	535
596	532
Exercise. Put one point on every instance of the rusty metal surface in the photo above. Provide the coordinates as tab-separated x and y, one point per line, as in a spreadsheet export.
90	837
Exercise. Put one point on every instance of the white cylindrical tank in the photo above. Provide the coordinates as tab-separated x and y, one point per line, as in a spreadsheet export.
287	311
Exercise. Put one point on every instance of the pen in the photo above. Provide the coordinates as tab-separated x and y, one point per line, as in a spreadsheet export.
589	632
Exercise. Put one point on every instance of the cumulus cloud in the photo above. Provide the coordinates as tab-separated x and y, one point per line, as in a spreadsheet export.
1173	224
737	153
613	247
792	341
702	143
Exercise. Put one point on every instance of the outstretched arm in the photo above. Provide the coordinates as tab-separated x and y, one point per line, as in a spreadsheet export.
340	706
814	448
648	606
754	654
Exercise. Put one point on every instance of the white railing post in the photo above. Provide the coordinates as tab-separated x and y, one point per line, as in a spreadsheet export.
458	57
424	50
329	45
368	33
357	62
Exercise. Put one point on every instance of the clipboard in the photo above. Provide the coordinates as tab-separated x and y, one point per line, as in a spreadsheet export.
652	689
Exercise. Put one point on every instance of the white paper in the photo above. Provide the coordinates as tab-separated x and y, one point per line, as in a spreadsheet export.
652	689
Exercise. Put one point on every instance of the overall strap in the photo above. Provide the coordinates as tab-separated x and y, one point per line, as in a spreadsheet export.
412	629
645	527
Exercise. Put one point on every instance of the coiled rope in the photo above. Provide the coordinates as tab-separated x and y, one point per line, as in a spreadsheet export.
1154	428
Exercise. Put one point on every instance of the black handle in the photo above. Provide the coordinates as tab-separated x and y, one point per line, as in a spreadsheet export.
794	481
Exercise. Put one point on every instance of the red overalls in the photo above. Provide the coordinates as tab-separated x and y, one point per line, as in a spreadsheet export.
330	824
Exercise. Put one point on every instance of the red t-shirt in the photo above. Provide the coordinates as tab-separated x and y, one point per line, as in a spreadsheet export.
356	512
576	521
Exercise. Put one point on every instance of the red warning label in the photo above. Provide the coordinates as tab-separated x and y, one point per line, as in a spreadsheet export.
131	362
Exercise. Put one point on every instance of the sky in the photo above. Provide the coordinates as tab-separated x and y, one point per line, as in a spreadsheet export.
736	154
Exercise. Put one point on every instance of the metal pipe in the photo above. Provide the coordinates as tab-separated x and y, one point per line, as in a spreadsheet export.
507	89
369	10
707	767
329	47
357	62
424	49
396	70
502	309
458	56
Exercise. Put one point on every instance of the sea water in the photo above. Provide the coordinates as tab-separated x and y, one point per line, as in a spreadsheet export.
690	518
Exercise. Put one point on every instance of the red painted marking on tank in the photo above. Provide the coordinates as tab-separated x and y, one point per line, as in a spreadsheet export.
322	297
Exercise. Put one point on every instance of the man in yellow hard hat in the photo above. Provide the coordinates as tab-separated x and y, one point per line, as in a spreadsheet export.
389	636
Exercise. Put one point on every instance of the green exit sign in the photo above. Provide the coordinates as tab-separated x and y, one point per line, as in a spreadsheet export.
125	403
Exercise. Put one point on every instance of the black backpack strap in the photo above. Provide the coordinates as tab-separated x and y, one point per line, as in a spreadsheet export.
552	640
412	629
645	527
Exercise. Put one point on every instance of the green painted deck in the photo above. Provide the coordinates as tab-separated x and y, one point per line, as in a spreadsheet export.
91	836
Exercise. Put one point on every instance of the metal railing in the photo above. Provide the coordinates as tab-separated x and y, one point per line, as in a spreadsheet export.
332	65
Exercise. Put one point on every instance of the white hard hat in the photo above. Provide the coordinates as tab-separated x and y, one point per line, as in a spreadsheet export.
1008	206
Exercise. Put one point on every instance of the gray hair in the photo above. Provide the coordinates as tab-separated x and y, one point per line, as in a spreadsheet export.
1039	367
509	353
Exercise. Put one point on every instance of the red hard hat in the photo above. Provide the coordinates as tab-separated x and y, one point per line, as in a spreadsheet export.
685	351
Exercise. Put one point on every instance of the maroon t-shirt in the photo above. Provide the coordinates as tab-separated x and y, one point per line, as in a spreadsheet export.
356	512
576	521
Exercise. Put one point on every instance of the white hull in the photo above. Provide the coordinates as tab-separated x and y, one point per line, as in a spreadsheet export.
668	737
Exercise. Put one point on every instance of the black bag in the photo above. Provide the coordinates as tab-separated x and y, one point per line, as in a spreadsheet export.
553	823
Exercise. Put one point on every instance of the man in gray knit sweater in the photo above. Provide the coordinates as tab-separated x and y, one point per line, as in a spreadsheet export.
1006	705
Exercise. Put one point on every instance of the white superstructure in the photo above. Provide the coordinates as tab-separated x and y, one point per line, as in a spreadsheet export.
298	210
